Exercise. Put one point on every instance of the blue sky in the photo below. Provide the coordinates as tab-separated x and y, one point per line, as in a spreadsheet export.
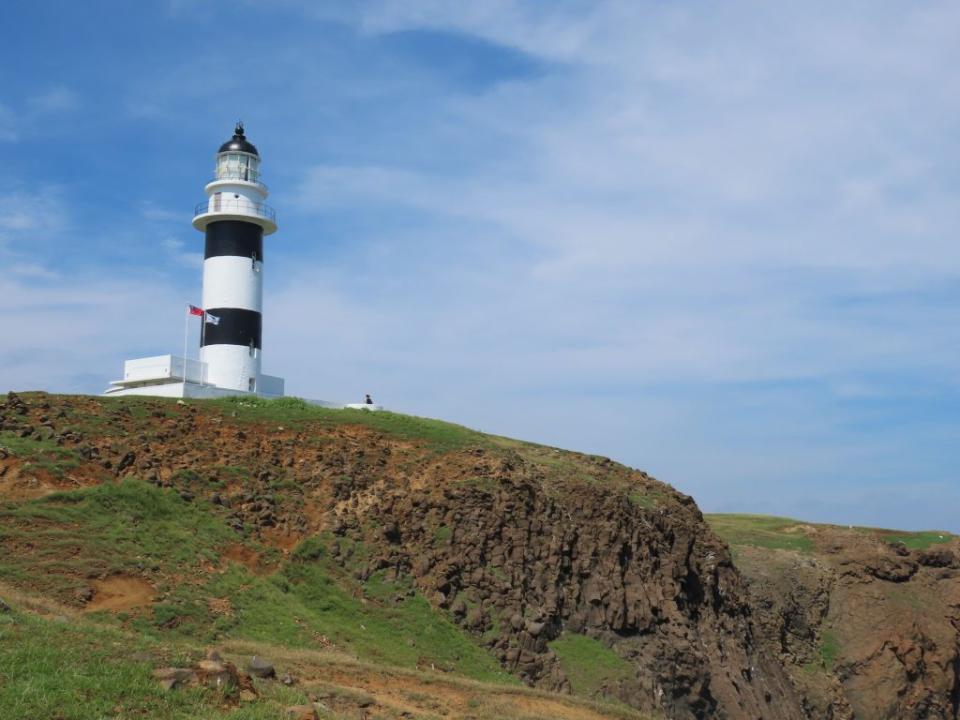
714	241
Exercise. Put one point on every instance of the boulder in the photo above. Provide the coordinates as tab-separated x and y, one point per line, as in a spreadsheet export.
258	667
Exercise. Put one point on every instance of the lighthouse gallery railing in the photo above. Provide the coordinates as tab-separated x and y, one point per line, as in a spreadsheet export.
237	206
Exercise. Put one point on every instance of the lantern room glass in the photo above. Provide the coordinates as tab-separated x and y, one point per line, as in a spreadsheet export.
238	166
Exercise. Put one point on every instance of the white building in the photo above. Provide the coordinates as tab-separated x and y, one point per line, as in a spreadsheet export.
234	219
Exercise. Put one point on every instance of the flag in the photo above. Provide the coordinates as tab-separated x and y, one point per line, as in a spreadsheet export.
194	310
212	319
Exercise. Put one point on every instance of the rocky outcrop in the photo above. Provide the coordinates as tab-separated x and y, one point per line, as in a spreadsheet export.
867	629
519	565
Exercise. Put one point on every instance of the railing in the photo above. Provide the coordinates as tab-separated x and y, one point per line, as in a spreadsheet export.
237	175
238	206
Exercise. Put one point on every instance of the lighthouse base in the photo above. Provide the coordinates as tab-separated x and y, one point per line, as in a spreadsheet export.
172	376
178	390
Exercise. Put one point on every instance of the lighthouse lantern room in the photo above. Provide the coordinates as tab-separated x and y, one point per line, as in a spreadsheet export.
234	219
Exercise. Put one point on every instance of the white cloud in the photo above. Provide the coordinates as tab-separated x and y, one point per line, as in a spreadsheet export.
8	129
32	270
30	220
174	248
56	99
702	225
73	337
150	211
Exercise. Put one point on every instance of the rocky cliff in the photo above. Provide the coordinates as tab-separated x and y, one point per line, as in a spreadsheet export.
867	622
520	545
573	572
520	559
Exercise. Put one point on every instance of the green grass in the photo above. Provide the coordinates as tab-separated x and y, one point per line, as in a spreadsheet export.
441	535
311	598
641	500
296	413
829	648
38	453
137	528
110	528
767	531
915	540
588	664
762	531
76	670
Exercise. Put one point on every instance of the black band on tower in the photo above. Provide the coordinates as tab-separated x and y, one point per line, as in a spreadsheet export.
235	327
234	238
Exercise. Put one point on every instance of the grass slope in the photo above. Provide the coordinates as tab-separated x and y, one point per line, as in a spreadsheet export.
70	669
780	533
132	527
589	664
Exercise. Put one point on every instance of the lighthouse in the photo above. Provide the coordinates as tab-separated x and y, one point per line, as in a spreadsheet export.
234	219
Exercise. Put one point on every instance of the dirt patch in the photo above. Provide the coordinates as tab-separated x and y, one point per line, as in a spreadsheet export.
430	695
120	592
15	484
243	555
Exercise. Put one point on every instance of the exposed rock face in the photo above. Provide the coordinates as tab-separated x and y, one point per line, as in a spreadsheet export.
520	565
867	630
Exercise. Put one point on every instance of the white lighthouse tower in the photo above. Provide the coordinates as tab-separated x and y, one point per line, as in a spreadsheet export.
234	219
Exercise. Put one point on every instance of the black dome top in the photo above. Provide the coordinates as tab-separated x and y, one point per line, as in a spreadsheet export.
239	143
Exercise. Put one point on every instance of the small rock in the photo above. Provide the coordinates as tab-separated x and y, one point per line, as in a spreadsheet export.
45	433
172	678
302	712
85	594
210	666
4	608
261	668
288	679
126	461
534	628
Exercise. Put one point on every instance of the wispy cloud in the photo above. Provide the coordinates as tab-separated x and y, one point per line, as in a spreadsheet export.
56	99
153	213
175	248
28	218
31	270
8	128
96	321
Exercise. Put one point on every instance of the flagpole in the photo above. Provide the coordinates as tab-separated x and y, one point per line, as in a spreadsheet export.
203	330
186	327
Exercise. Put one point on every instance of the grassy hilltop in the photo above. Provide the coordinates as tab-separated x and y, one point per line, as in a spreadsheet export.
112	569
399	567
